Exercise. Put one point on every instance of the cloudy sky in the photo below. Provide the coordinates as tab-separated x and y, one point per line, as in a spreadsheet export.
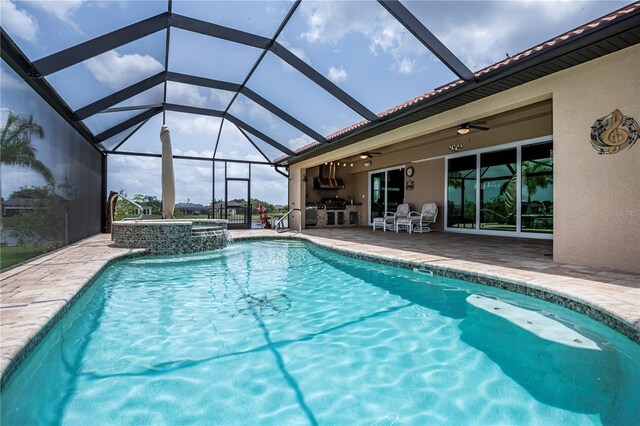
355	44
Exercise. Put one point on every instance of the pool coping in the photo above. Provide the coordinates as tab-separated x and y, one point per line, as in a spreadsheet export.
600	309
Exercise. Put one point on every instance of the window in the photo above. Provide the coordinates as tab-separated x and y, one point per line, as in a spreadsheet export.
503	190
537	188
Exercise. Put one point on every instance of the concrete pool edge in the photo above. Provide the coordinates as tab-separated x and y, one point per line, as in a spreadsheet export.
11	360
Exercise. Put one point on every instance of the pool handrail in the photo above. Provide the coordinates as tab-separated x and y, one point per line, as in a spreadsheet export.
279	222
113	212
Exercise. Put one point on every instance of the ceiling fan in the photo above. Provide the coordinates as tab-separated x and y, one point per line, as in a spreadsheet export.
368	154
465	128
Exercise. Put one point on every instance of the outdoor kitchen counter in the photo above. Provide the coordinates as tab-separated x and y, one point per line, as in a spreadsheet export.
351	215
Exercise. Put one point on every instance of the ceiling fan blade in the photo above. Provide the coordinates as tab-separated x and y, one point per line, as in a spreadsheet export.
475	126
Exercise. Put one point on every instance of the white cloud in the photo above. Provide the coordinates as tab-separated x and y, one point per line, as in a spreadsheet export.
17	22
184	94
337	74
196	124
406	66
299	142
193	153
119	71
220	98
9	82
494	29
63	10
330	22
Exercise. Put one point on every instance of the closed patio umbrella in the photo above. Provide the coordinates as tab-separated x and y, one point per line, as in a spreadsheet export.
168	183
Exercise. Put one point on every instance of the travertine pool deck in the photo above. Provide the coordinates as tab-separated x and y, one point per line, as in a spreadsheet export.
32	294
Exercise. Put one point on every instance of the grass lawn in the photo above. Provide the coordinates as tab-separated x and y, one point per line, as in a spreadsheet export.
10	255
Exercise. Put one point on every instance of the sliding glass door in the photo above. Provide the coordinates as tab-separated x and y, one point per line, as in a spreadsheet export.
502	190
461	192
386	191
498	190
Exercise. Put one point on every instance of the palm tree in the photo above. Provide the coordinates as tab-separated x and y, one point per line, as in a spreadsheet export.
16	148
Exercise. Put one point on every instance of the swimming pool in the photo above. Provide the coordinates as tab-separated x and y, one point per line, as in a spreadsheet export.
285	333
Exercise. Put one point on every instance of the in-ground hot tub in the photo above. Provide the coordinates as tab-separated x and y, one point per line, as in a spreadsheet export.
174	236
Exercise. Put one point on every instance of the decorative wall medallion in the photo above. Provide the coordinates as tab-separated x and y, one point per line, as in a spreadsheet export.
613	133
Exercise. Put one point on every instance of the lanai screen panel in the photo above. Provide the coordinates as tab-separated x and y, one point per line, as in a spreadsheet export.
264	121
102	75
204	56
41	28
364	50
135	175
256	17
270	152
115	141
198	96
300	97
153	96
194	182
192	135
233	145
147	139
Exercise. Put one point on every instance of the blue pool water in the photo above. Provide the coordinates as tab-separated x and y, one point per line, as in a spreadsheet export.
287	333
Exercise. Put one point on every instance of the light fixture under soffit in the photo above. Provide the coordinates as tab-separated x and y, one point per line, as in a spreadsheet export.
368	154
465	128
366	163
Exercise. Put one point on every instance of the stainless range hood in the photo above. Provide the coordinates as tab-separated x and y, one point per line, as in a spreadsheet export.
327	179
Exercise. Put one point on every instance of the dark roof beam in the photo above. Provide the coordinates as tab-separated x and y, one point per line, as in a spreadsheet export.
231	119
94	47
426	37
252	143
129	108
185	157
120	96
218	31
233	87
127	124
115	148
259	134
201	81
282	114
166	59
194	110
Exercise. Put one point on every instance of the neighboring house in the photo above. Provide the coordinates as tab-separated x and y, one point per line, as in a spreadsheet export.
190	209
233	207
146	210
279	208
13	206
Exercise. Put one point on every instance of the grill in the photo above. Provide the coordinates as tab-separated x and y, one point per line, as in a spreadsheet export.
334	203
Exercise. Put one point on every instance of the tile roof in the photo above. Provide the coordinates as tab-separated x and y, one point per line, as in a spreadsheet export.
545	46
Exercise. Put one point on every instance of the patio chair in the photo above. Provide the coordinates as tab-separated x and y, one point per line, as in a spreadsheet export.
419	222
389	221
